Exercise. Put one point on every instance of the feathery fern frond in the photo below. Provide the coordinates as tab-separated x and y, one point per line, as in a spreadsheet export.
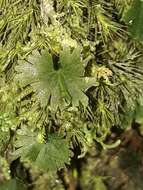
106	25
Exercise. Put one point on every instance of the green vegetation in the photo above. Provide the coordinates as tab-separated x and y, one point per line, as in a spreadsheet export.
71	75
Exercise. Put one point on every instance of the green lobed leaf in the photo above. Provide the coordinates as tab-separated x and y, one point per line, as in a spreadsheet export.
49	156
61	83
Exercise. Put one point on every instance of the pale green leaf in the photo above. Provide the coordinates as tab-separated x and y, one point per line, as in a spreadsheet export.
61	83
49	156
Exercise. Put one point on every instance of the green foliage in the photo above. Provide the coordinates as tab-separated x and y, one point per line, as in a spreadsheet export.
49	156
12	185
4	169
55	82
16	22
46	181
134	17
135	115
69	73
99	184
